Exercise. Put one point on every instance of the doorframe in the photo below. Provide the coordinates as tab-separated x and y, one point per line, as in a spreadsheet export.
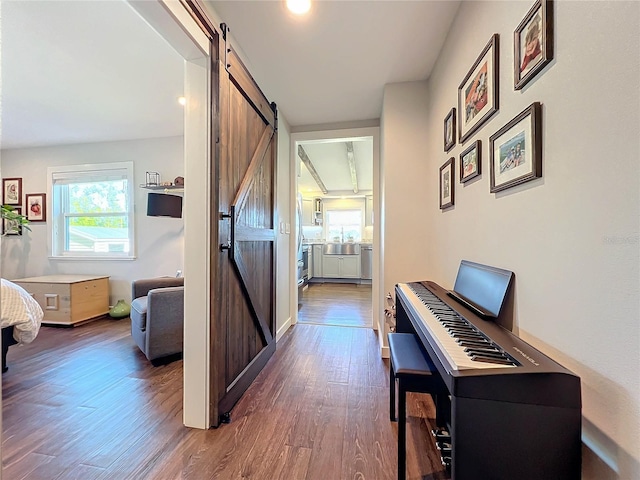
173	21
294	167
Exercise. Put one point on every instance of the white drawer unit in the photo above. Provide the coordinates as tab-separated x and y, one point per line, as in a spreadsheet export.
68	299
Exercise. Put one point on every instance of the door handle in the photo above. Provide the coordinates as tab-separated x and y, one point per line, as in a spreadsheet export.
229	245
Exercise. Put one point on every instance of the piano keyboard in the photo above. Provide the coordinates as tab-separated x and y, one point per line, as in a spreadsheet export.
462	343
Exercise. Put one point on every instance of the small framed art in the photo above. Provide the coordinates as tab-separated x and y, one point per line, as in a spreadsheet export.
516	150
447	172
450	130
12	227
36	205
478	92
12	191
470	162
533	43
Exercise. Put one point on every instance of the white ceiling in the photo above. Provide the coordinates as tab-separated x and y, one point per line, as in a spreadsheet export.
89	71
332	65
330	161
85	71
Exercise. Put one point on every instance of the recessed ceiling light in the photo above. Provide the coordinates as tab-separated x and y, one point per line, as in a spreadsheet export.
299	7
182	101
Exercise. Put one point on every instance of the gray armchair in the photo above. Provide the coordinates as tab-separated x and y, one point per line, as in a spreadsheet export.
157	317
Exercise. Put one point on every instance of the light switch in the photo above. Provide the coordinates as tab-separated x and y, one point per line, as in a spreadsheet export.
287	228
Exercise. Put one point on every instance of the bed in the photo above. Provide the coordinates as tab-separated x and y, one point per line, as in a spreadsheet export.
21	317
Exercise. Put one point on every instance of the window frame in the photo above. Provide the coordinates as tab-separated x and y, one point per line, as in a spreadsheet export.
56	226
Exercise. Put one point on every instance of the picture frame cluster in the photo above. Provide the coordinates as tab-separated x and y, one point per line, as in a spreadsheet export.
34	206
515	149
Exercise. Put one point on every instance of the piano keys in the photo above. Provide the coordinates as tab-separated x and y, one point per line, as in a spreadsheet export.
513	413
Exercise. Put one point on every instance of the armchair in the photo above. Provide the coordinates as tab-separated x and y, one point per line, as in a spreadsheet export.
157	316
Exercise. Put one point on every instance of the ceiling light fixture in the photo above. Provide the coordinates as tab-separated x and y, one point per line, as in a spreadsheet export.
299	7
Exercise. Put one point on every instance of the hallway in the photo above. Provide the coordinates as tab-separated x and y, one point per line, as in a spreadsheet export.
85	403
338	304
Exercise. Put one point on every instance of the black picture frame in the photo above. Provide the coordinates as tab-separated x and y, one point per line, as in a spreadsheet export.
450	130
36	206
12	227
478	92
515	151
12	191
471	162
533	43
447	183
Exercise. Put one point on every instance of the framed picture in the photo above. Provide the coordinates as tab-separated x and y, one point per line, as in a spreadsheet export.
36	205
12	227
478	92
533	43
516	150
12	191
447	172
470	162
450	130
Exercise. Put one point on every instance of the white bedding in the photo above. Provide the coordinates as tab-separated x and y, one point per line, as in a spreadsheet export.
20	310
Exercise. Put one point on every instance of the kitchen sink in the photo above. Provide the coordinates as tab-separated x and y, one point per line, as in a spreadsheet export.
341	249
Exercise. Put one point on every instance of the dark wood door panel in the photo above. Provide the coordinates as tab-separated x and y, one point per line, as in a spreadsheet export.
247	194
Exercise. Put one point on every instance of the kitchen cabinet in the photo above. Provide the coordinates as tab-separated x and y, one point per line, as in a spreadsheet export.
341	266
317	213
317	261
308	214
310	264
368	211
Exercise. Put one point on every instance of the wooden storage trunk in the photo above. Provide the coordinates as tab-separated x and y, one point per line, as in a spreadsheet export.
68	299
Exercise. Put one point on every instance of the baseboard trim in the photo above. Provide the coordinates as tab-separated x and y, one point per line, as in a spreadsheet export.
283	329
384	352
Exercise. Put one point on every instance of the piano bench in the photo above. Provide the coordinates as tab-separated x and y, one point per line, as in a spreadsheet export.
413	370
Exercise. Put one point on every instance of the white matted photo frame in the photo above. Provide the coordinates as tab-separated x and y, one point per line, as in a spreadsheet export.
450	130
12	227
533	43
447	173
470	162
515	151
36	206
478	92
12	191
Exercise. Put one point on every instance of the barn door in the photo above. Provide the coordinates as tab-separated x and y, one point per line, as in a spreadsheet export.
244	326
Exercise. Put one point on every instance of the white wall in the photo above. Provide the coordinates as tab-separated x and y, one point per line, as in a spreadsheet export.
404	175
572	236
283	275
159	240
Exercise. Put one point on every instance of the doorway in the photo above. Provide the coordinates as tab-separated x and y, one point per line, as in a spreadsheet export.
336	187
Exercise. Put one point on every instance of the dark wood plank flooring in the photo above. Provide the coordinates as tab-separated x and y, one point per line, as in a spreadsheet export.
340	304
84	403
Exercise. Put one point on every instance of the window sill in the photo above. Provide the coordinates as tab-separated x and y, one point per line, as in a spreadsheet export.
91	258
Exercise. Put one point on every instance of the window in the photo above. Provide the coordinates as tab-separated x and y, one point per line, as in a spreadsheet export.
344	225
92	207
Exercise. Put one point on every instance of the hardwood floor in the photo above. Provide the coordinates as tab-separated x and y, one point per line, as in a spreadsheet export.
84	403
340	304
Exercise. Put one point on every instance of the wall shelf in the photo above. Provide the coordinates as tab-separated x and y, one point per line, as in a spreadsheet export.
165	188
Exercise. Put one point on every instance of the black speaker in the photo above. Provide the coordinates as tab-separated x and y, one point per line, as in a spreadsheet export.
163	205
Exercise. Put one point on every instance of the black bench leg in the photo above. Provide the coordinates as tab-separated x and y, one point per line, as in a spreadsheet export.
392	393
402	432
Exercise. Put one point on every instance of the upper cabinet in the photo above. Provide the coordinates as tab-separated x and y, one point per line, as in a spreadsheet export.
308	212
368	211
311	212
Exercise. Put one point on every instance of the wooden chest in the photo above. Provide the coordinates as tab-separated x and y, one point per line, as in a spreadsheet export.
68	299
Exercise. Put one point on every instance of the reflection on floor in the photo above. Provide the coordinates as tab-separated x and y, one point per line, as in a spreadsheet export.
342	304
